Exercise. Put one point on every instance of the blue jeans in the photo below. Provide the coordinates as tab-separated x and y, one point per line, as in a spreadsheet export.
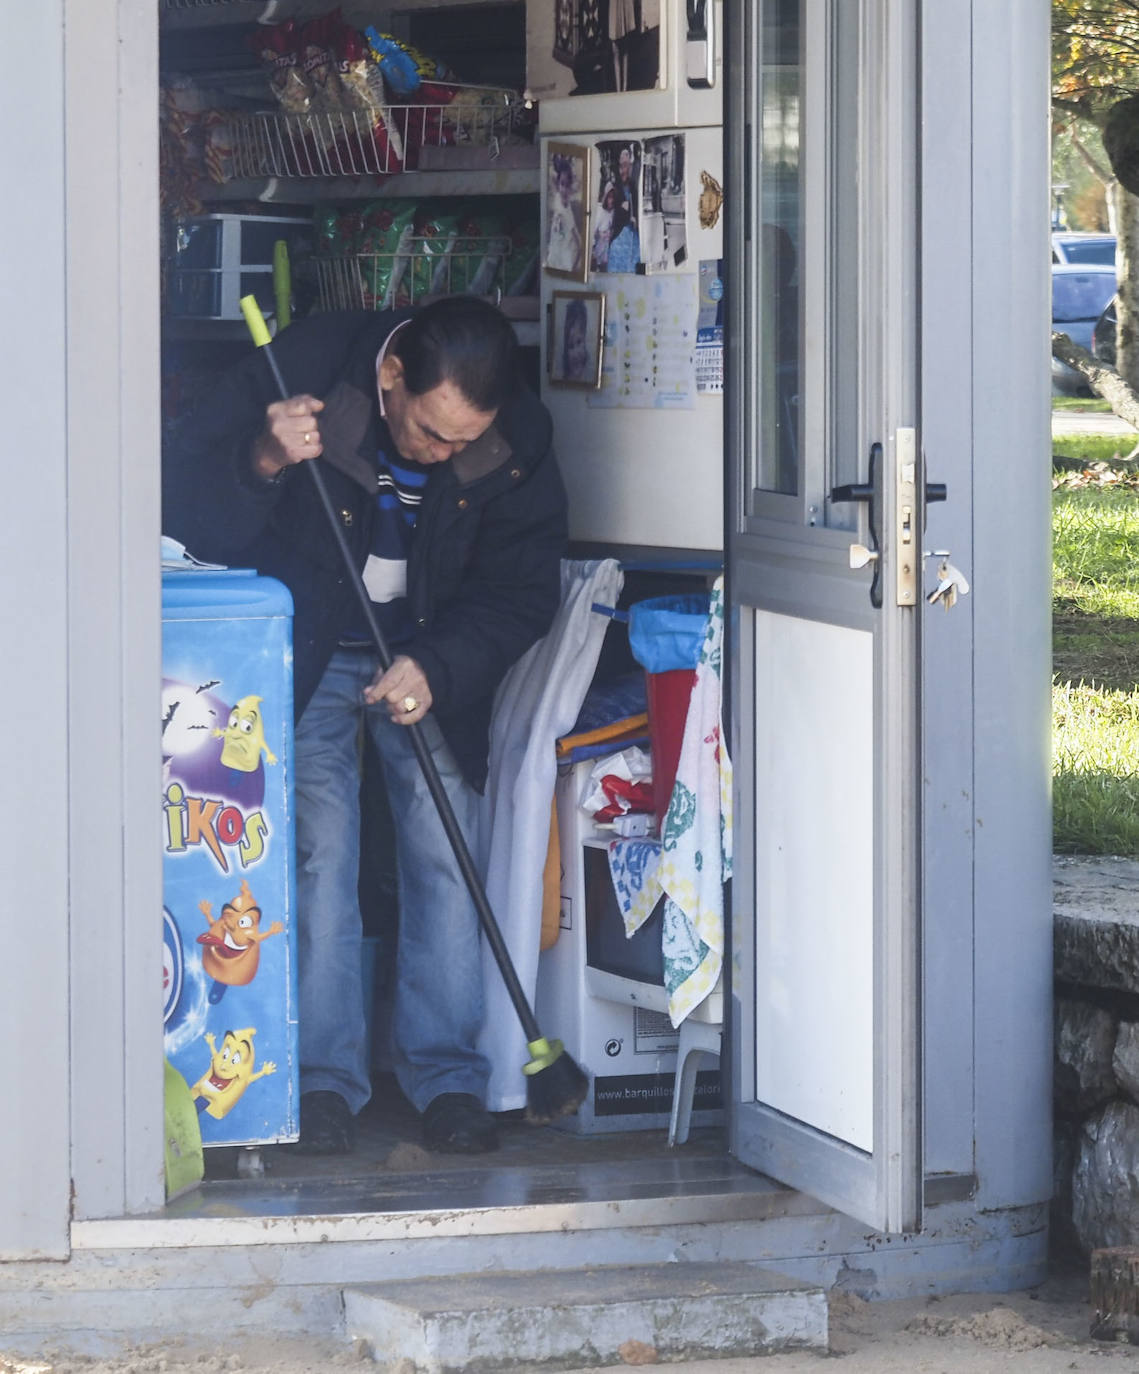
438	1001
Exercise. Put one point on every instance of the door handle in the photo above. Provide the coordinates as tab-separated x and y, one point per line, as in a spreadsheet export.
700	45
869	492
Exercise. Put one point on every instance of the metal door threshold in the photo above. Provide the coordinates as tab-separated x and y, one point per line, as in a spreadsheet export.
486	1200
539	1180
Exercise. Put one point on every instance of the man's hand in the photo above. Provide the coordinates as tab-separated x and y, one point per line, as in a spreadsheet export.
403	689
290	436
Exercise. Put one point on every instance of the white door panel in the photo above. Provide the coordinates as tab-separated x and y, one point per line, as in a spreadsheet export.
814	883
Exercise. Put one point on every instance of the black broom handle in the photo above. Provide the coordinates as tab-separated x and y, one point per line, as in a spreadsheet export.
423	753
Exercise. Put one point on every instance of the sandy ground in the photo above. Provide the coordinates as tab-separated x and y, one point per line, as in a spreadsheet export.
1042	1330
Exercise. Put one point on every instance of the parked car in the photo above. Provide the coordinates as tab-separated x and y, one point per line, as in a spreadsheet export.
1103	334
1084	248
1079	296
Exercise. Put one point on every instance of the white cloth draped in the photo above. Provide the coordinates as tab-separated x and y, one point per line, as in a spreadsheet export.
537	703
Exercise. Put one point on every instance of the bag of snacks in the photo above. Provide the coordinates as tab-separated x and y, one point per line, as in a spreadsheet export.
319	63
480	250
404	68
479	114
276	46
520	273
366	111
383	251
218	128
361	77
326	232
436	228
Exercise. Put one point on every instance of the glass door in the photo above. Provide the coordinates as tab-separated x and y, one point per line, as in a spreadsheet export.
824	476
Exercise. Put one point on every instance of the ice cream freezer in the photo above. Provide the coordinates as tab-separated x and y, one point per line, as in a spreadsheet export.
229	920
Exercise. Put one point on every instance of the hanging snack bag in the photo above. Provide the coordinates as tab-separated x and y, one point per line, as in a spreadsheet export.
276	47
436	229
219	146
480	251
520	271
480	114
180	158
362	86
361	78
421	83
338	272
404	68
327	234
318	62
384	251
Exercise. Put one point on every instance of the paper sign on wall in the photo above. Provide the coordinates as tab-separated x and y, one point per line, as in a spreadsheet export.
650	343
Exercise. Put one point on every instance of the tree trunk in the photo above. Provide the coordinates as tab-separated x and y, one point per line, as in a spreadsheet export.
1114	1294
1127	284
1103	380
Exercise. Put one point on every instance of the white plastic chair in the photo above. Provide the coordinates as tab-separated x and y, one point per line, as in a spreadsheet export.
699	1035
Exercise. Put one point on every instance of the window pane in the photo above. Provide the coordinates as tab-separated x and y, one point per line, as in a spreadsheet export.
780	247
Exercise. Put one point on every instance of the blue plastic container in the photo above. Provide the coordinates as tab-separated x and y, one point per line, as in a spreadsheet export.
666	632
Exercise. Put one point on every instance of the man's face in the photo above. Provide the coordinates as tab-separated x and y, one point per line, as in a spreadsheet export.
625	163
434	426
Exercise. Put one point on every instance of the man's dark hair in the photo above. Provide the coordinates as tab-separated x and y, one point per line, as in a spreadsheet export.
462	340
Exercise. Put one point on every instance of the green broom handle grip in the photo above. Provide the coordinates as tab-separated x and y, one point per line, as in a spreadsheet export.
422	752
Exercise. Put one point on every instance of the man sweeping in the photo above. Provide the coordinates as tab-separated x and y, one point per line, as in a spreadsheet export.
441	472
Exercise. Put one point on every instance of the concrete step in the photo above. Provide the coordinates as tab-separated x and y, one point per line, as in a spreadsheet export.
604	1315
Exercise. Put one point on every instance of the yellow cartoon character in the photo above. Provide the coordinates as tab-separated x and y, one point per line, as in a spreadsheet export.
245	737
231	947
217	1092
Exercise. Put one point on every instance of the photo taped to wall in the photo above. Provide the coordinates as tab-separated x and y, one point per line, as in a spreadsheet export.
616	243
567	214
663	227
574	346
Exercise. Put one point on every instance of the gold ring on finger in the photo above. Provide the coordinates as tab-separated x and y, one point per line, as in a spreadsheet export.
308	439
410	704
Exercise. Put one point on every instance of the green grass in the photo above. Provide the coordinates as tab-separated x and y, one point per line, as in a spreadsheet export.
1095	695
1078	450
1093	404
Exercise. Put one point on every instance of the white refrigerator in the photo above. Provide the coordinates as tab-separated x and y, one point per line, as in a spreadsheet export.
633	180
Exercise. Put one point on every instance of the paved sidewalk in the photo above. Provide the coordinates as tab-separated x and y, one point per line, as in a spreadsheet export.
1088	422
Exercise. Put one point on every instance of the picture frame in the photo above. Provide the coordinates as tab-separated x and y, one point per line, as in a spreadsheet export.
565	230
576	340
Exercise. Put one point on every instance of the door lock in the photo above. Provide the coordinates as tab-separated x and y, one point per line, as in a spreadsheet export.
909	522
905	502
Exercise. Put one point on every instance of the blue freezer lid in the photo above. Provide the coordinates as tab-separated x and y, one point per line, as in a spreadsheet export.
236	594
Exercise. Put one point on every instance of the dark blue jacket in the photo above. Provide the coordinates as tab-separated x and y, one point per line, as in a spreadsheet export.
484	572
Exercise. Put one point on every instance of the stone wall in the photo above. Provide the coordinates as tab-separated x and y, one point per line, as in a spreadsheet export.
1096	1086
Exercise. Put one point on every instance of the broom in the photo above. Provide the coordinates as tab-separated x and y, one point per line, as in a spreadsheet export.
555	1085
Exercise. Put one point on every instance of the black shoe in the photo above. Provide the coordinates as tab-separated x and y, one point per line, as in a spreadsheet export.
458	1123
327	1127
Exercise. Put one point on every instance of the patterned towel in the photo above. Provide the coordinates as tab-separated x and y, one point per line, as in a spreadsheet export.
633	867
696	839
693	859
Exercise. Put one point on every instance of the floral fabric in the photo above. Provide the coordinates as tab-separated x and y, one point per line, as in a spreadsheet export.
693	859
